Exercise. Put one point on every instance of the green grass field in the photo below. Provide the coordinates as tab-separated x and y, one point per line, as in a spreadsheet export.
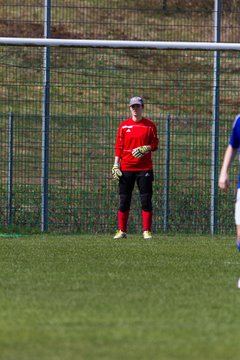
90	297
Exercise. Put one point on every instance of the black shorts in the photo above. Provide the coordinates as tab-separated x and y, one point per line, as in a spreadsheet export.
143	179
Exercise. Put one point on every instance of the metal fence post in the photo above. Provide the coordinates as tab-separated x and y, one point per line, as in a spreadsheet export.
45	118
10	168
166	174
215	120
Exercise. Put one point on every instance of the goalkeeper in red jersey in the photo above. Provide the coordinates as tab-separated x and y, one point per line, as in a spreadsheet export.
136	139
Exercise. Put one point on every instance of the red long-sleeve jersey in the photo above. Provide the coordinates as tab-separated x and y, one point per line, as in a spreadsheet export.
130	135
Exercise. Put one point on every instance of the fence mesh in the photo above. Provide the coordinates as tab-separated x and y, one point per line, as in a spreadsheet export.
166	20
89	94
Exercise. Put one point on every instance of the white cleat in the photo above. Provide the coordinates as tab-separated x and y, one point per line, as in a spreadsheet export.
147	235
120	235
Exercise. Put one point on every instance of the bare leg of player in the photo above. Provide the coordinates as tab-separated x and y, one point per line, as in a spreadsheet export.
238	237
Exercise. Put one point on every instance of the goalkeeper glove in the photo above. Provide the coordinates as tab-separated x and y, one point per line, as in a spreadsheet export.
116	172
140	151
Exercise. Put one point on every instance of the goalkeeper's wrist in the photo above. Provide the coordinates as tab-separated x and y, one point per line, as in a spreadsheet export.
116	165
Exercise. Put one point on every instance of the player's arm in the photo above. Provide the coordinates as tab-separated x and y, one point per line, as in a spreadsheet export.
154	141
230	154
116	172
142	150
117	161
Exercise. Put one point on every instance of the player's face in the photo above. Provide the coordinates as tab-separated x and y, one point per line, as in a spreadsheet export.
136	110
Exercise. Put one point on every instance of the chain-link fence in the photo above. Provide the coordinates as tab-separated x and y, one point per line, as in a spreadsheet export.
89	93
90	89
166	20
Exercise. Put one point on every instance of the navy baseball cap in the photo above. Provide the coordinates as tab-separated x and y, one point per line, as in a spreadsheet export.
136	100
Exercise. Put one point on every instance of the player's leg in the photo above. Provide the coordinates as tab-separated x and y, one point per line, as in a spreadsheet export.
144	182
237	218
126	186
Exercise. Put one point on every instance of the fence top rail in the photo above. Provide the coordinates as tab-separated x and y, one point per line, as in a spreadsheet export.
120	44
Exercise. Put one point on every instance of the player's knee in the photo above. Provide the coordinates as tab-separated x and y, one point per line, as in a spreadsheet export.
146	201
125	202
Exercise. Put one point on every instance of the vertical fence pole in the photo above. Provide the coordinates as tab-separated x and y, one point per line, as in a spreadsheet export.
10	168
215	120
166	174
45	118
